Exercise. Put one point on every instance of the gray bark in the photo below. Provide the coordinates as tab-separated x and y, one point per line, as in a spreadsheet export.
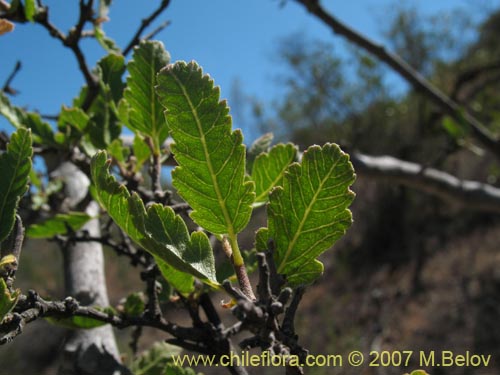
467	194
92	351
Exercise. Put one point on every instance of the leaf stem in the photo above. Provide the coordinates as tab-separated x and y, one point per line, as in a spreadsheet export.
231	248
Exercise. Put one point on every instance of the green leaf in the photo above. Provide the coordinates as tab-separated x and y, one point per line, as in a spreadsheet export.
158	230
141	152
455	129
106	42
260	145
110	69
8	300
180	281
146	115
309	213
76	322
58	224
118	152
269	168
154	360
104	125
19	118
15	166
211	158
29	9
74	117
134	304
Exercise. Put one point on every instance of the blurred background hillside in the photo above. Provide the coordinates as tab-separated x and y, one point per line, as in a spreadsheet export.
414	272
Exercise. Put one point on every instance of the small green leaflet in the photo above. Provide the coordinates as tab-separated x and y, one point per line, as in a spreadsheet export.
104	126
211	158
30	9
58	224
309	213
81	322
268	170
106	42
19	118
145	114
154	360
158	230
76	322
180	281
15	165
134	304
74	117
8	300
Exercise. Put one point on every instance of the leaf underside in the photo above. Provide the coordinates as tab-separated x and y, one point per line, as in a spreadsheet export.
211	159
309	213
158	230
59	224
7	299
145	112
15	167
269	168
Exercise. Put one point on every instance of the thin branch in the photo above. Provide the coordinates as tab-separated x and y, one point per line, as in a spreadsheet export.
413	77
153	310
472	195
144	24
33	307
472	74
157	30
71	41
125	248
7	88
155	173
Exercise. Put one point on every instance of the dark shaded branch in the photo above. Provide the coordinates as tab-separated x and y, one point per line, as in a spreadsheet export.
33	307
153	310
445	103
467	194
477	86
7	88
473	74
144	24
155	173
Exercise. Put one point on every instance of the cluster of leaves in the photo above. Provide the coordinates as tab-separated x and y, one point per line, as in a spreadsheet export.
307	195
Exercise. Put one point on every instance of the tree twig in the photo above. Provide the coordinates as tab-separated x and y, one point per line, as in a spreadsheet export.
444	102
467	194
144	24
72	41
7	88
157	30
33	307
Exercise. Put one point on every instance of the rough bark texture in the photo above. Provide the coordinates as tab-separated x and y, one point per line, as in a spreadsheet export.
91	351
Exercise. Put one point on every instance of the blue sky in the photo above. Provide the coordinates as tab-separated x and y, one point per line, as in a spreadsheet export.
230	39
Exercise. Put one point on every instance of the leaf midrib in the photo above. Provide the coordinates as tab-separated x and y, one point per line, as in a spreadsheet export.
262	196
220	199
304	218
